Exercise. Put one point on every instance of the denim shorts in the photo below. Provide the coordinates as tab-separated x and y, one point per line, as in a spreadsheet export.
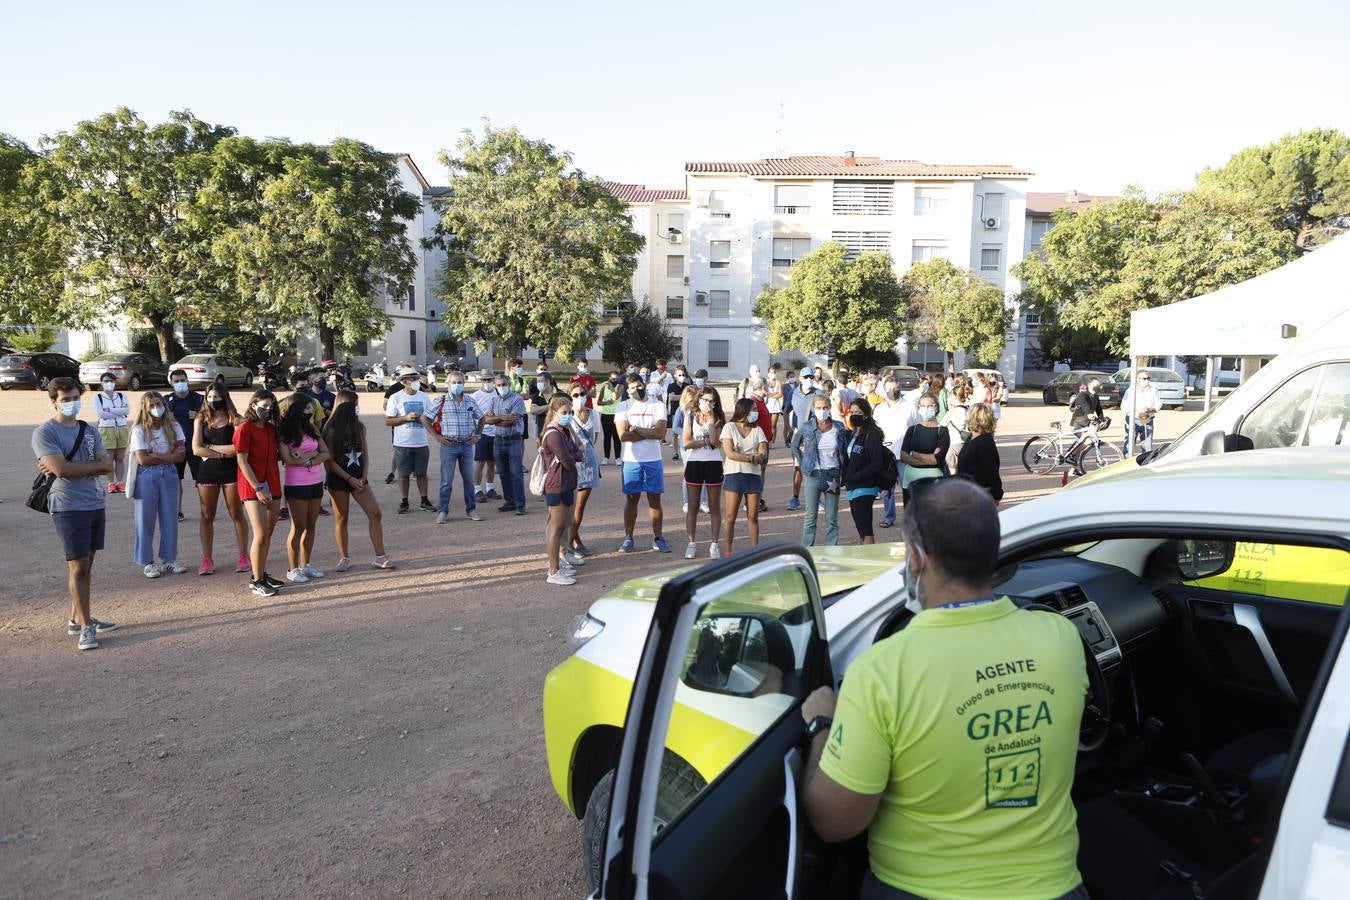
564	498
644	478
81	531
743	483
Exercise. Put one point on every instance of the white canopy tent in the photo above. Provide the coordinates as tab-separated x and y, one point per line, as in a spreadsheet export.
1253	319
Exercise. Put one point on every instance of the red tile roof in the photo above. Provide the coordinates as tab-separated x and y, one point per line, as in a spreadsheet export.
639	193
1041	203
859	167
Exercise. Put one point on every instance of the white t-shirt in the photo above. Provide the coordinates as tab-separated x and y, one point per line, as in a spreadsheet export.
828	449
409	434
699	432
747	444
155	442
641	415
895	421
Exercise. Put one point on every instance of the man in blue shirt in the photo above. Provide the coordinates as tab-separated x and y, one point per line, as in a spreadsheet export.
800	406
184	403
506	413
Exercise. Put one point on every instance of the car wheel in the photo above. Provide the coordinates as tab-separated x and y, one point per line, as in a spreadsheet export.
1047	399
135	383
679	785
42	382
4	387
248	380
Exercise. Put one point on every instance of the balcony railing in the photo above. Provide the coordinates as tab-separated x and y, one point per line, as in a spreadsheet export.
720	213
791	210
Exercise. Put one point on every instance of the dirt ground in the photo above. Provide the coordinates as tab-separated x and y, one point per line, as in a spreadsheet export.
370	734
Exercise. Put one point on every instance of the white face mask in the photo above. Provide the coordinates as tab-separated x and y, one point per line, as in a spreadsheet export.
157	411
578	402
110	386
705	405
501	390
414	386
927	413
753	417
822	415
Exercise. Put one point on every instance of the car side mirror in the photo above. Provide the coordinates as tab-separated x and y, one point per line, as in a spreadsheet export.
729	654
1202	559
1213	444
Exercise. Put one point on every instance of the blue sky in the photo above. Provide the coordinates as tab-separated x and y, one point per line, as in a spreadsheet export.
1088	97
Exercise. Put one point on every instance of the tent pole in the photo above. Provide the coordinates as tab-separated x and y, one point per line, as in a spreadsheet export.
1209	381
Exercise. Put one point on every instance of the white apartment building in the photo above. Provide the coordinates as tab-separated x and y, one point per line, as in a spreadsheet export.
741	226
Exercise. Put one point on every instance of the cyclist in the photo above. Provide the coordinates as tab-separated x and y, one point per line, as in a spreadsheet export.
1085	416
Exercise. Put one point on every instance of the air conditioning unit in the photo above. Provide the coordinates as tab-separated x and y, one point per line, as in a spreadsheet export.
686	279
701	298
675	236
992	223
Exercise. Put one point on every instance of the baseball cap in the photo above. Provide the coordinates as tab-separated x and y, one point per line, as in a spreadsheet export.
808	372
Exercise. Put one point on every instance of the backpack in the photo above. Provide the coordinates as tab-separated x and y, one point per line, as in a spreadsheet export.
42	485
538	470
890	470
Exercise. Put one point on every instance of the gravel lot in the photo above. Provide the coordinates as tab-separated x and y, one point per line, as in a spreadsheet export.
373	733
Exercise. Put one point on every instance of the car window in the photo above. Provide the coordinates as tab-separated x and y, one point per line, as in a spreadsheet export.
1286	572
13	361
1328	425
1165	376
742	672
1278	419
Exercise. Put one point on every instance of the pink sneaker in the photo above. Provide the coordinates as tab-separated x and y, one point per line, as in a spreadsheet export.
206	567
244	565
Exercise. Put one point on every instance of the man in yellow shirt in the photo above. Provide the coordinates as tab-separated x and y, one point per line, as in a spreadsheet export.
954	742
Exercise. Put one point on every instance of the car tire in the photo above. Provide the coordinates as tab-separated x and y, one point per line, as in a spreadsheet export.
679	785
1047	399
248	380
135	383
4	387
42	382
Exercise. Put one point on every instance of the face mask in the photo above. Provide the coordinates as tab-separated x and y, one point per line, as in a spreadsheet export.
109	386
639	393
632	370
180	387
581	369
679	377
822	415
565	420
541	385
893	393
321	385
773	376
69	408
414	386
949	384
517	370
502	390
217	403
913	593
857	420
264	411
578	402
699	382
643	373
457	388
705	405
753	417
806	384
927	413
157	411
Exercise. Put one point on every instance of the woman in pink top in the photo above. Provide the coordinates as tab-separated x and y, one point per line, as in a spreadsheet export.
304	453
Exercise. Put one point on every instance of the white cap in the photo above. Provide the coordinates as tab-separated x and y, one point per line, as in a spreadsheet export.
406	370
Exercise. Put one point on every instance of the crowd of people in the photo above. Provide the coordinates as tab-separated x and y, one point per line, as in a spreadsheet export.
273	459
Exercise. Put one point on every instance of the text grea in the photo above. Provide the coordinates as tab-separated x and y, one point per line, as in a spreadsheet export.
1011	667
1007	721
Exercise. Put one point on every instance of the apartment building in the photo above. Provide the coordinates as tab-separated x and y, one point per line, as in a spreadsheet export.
741	226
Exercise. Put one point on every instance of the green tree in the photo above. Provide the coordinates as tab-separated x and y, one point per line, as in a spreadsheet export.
1301	183
967	313
115	195
835	305
330	234
245	347
36	340
32	257
534	247
642	338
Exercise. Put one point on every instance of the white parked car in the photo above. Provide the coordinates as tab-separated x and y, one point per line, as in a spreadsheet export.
1212	759
202	369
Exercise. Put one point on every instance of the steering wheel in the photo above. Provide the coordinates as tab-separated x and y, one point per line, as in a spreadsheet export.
1096	722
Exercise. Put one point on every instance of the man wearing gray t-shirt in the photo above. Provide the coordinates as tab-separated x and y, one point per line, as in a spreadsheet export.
76	498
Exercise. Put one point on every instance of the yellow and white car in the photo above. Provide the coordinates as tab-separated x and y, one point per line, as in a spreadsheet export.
674	729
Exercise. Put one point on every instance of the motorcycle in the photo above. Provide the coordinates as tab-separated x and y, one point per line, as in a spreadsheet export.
272	374
340	374
377	379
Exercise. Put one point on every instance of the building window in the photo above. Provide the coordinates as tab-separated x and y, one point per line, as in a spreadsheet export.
1038	230
931	201
412	298
412	342
675	265
718	353
923	251
991	259
719	257
993	206
864	198
717	205
675	223
786	250
674	307
719	304
359	348
792	199
617	308
1033	321
856	242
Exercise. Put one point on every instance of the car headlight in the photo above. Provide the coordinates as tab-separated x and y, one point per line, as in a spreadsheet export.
584	628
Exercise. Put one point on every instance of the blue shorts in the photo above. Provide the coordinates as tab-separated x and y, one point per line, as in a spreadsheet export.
743	483
644	478
81	531
564	498
482	451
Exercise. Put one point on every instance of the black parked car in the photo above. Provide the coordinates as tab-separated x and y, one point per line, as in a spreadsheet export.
34	370
1064	385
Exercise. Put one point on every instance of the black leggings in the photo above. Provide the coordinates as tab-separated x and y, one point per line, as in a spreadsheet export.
861	510
611	437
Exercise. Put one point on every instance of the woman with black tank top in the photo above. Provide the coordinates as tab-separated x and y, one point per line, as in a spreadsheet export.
213	443
348	478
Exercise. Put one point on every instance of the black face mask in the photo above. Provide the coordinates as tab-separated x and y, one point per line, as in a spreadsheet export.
857	420
217	403
894	393
639	392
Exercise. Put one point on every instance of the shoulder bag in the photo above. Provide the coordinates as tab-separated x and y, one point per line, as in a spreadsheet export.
42	485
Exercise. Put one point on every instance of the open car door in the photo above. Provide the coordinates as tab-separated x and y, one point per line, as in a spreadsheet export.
705	798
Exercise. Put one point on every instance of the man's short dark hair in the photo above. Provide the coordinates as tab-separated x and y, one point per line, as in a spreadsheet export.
956	523
514	361
299	379
58	386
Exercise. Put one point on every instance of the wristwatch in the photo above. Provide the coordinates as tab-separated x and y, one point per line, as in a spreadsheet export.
818	724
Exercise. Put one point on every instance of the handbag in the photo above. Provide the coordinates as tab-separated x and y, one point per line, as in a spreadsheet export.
538	469
42	485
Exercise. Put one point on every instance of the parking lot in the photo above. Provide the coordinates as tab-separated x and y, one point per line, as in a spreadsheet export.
371	733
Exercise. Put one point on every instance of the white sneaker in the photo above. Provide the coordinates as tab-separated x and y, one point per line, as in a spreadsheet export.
715	551
442	518
703	507
567	568
685	508
312	571
343	564
172	568
691	550
152	571
297	575
572	559
560	577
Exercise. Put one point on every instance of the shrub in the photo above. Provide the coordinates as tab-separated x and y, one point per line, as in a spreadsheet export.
244	347
143	340
32	340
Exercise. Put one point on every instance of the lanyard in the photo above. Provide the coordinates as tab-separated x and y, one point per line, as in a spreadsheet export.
961	604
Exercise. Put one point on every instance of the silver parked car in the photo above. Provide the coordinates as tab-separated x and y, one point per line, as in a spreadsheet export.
204	368
132	370
1170	386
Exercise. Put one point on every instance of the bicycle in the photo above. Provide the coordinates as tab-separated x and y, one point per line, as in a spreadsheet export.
1042	454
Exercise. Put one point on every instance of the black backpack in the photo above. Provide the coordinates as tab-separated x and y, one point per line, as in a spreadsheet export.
42	485
890	470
